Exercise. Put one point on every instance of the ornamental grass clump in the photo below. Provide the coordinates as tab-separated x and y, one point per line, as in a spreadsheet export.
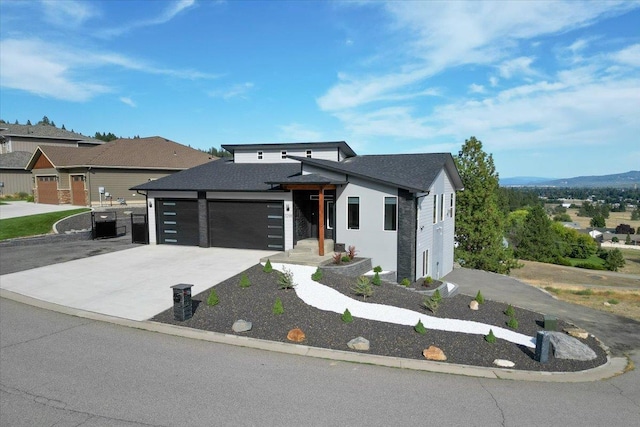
244	281
285	280
213	298
267	267
419	328
490	338
277	308
479	298
510	311
317	276
363	287
436	296
346	316
431	303
405	282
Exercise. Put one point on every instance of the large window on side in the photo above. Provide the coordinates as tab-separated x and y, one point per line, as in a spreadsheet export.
353	213
390	213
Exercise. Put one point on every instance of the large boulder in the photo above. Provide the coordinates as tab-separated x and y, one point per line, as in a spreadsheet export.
296	335
434	353
359	343
241	326
566	347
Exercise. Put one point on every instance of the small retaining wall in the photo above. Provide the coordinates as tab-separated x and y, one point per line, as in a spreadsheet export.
355	268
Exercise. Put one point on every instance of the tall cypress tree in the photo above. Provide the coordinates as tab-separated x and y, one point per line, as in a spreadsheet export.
479	219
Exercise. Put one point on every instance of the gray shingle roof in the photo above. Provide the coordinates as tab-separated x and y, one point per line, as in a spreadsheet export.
312	178
15	160
44	131
224	175
413	172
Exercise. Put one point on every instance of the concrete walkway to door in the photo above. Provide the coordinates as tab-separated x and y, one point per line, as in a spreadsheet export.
133	283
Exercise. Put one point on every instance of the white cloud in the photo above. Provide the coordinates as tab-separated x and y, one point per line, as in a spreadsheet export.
628	56
239	90
68	13
165	16
67	73
299	133
476	88
517	66
128	101
493	81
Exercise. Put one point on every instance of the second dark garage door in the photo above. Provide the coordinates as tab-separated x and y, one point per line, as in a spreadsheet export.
246	224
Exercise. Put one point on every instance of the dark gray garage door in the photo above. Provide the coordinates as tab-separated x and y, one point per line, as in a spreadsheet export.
246	225
177	222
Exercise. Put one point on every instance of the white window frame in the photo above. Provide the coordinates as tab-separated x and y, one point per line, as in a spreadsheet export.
442	199
435	209
384	213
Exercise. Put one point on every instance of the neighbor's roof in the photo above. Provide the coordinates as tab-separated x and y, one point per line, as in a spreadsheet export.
412	172
44	131
224	175
138	153
15	160
344	147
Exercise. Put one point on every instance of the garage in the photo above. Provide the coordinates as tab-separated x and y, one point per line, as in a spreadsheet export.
177	222
247	224
48	190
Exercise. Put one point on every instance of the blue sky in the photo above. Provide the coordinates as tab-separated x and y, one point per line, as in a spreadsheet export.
552	89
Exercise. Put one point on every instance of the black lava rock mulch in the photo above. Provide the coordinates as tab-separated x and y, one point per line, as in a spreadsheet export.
327	330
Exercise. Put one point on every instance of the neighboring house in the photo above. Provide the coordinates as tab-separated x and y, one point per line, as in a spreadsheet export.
398	210
104	174
18	143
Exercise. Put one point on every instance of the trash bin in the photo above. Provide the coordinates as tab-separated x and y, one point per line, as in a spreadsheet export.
182	302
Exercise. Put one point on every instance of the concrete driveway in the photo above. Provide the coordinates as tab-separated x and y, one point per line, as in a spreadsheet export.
16	209
132	283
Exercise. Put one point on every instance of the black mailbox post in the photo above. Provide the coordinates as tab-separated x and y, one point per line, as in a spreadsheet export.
182	302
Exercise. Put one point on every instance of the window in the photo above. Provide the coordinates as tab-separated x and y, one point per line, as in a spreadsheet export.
259	155
309	153
451	205
390	213
442	207
331	220
435	208
353	213
283	154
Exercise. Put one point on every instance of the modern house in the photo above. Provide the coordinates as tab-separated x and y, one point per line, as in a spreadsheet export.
398	210
19	142
104	173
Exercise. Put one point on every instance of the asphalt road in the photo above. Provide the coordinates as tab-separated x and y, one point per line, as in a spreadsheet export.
63	370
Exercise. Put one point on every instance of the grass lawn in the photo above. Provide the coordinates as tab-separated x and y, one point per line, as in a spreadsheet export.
593	259
33	225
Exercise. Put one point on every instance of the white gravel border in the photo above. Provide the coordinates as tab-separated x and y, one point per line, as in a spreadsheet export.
328	299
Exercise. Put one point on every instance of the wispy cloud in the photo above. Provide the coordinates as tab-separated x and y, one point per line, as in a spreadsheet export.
299	133
64	72
170	12
128	101
239	90
68	13
517	66
476	88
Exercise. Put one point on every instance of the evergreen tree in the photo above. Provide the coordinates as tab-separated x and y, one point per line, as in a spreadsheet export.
538	240
29	123
614	260
479	219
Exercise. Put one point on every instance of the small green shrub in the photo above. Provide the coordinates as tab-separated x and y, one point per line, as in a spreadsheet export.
613	301
431	304
428	280
317	276
363	287
589	266
285	280
479	298
490	338
513	323
583	292
277	308
244	281
552	289
346	316
267	267
376	279
345	258
377	269
510	311
213	298
405	282
419	328
563	261
436	296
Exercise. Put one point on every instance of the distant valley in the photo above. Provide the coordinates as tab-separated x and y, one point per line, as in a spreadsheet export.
629	179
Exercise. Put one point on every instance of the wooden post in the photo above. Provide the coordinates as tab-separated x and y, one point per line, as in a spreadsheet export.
321	222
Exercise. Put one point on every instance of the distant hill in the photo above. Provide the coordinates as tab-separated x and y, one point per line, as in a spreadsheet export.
619	180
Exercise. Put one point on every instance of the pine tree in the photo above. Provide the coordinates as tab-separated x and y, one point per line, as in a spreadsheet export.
538	240
479	219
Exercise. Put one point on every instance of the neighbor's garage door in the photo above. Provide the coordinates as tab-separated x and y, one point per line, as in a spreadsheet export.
247	225
48	190
177	222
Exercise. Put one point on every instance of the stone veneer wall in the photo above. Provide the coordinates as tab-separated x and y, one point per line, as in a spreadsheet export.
406	236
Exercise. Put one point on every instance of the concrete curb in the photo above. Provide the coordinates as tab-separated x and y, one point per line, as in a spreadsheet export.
615	366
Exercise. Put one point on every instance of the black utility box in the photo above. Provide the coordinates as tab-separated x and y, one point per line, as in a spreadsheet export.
182	308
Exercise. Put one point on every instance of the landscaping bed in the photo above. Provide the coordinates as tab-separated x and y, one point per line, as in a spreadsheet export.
327	330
